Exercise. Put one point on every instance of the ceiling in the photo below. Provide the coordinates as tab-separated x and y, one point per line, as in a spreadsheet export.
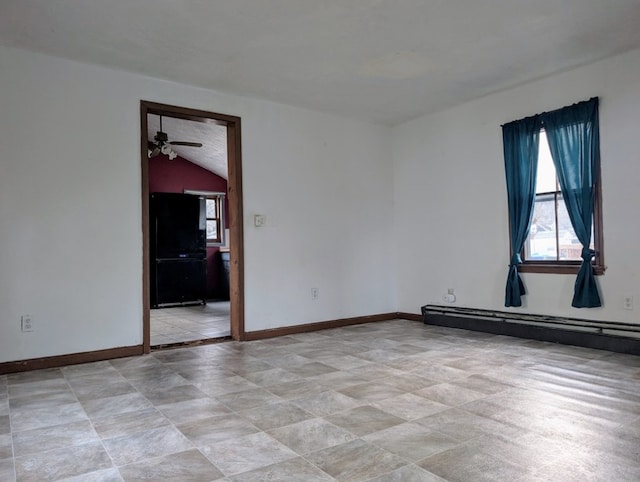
213	153
385	61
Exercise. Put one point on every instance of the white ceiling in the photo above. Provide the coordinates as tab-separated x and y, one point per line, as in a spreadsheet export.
213	153
381	60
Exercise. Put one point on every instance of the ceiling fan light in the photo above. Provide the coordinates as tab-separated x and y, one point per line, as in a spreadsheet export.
166	149
172	155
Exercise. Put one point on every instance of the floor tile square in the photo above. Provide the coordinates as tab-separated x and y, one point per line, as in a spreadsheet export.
247	453
410	406
355	460
274	415
311	435
364	420
293	470
327	402
469	463
55	437
156	442
188	466
215	429
411	441
62	463
129	422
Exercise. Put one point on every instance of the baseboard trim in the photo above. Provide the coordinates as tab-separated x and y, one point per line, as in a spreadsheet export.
409	316
598	341
320	325
70	359
121	352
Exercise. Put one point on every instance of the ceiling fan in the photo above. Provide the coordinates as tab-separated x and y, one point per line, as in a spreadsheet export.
163	145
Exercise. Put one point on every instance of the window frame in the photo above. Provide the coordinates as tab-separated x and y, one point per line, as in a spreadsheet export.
219	197
572	266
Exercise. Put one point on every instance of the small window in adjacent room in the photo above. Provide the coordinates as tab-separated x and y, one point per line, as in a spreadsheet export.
552	245
214	216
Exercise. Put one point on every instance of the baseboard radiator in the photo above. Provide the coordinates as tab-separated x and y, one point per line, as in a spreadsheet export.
613	336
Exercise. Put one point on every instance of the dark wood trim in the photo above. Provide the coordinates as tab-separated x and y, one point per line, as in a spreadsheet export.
598	229
71	359
188	113
236	233
320	325
136	350
560	267
409	316
234	186
144	166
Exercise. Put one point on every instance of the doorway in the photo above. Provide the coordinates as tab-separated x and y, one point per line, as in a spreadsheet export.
234	243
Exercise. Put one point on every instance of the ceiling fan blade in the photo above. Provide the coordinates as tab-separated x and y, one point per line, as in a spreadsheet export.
189	144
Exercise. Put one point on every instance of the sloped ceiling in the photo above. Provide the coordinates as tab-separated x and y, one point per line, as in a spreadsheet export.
213	153
381	60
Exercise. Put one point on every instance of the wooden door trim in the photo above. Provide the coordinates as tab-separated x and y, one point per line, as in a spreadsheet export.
234	185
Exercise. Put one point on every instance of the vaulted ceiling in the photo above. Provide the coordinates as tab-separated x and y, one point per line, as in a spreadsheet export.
213	137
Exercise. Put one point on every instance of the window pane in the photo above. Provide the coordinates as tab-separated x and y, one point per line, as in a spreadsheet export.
211	208
570	247
541	243
546	180
212	229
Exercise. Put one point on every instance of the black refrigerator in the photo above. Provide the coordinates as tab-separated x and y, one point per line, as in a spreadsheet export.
178	249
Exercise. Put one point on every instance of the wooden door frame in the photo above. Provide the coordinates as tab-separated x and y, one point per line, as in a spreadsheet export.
234	186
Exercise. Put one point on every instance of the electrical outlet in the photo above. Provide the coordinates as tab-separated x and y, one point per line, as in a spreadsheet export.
450	291
314	293
627	303
26	323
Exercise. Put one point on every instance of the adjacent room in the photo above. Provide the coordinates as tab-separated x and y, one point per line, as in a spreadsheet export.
296	240
189	239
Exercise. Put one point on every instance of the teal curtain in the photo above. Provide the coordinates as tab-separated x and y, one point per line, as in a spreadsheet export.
520	141
575	148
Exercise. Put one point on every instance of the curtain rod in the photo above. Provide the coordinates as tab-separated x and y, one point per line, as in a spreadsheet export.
596	99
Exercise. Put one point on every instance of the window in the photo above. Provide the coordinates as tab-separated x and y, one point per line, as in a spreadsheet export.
552	245
214	219
214	216
543	195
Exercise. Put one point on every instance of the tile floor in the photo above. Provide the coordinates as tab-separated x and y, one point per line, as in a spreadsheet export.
189	323
384	402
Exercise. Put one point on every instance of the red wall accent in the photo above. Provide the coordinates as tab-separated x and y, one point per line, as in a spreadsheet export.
178	175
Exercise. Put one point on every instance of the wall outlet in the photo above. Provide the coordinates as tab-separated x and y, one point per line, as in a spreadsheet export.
450	291
314	293
26	323
627	303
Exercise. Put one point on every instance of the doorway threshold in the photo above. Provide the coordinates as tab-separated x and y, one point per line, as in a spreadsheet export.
188	344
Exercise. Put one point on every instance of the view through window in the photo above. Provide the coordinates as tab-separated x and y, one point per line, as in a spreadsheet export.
551	236
214	217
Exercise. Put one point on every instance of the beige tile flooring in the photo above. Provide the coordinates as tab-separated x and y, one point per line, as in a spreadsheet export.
384	402
189	323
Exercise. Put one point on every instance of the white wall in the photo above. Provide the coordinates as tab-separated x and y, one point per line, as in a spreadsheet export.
450	196
70	207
